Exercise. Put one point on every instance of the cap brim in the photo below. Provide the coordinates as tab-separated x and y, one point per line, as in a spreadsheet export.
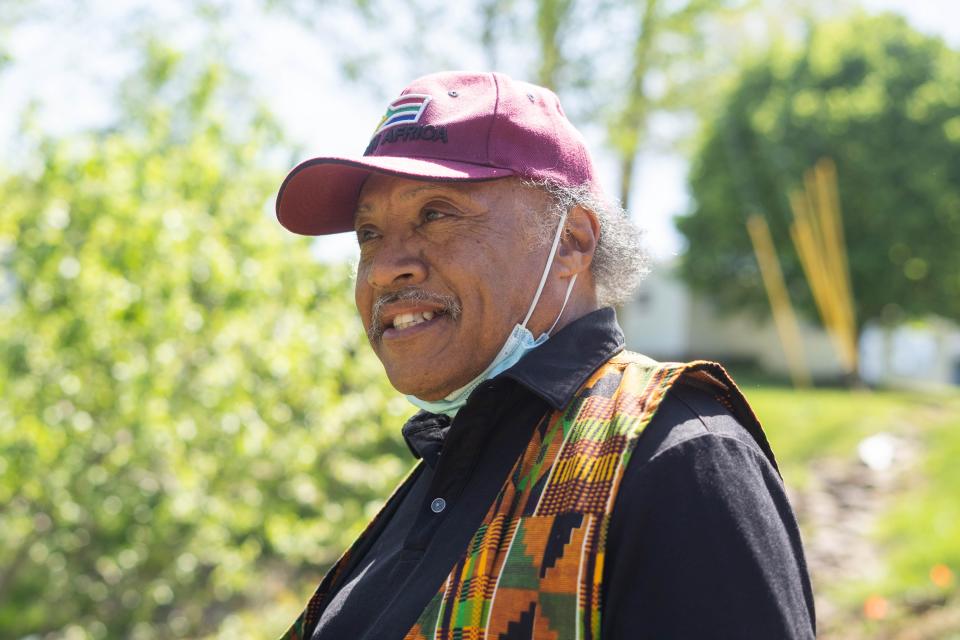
319	196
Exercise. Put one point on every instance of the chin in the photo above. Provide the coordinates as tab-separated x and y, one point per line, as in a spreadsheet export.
414	383
429	384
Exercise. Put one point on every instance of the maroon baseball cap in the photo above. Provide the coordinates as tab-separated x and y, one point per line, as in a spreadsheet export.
448	126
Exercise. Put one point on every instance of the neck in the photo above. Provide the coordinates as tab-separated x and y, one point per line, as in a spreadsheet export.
583	300
575	310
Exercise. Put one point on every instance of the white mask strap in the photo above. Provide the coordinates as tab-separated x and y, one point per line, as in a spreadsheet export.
546	272
564	305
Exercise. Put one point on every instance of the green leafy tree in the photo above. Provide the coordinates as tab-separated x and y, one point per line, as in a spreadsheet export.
883	101
615	64
644	57
192	426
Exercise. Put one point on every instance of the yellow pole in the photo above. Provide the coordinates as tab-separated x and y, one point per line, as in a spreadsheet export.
833	242
804	238
783	314
806	242
817	233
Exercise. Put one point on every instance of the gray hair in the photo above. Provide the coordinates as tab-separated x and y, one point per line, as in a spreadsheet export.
620	261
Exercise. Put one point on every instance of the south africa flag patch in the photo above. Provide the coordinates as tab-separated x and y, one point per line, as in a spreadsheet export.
404	110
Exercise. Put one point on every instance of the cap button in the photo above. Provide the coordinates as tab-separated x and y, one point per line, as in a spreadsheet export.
530	97
452	94
438	505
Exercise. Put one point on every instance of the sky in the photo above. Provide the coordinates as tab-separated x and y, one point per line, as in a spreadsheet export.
69	64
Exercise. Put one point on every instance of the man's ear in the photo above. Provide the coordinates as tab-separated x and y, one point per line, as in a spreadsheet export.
579	242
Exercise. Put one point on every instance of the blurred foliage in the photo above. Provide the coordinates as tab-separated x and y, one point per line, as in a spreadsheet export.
886	108
190	417
192	426
918	530
923	530
805	425
614	64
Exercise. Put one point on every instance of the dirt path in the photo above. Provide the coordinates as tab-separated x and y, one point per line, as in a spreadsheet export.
838	511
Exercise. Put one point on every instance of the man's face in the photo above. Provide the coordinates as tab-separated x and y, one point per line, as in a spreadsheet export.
446	270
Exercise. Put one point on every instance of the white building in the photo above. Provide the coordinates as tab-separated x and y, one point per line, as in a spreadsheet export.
669	322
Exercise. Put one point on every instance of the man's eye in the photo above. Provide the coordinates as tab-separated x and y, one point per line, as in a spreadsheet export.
429	215
365	235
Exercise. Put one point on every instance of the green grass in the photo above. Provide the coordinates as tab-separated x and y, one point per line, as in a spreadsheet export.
804	425
921	528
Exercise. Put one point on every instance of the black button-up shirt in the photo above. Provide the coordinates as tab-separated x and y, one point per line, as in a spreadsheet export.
702	541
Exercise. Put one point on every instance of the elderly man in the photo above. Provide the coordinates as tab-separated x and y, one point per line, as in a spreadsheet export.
566	488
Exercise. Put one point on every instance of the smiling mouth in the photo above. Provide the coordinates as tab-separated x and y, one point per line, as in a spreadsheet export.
406	320
411	325
433	307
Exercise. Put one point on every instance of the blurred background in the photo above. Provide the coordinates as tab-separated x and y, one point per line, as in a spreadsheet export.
192	426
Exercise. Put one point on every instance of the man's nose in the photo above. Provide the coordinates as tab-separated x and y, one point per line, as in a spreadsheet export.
396	263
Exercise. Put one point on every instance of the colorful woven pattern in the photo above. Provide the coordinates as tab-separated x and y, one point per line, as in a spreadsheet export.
534	567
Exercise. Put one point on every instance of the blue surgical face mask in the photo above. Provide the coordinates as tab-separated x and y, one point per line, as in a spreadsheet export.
518	344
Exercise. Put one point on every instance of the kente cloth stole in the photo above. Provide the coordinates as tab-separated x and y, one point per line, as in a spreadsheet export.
534	567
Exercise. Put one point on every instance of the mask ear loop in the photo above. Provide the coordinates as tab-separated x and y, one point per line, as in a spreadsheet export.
546	272
564	305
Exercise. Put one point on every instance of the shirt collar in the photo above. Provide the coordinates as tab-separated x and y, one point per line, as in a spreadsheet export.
553	371
424	434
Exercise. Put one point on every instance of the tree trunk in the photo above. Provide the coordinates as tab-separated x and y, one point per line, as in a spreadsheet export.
631	122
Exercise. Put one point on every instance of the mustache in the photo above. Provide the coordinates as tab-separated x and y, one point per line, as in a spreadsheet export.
447	303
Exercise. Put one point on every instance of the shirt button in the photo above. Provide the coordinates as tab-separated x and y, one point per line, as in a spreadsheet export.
438	505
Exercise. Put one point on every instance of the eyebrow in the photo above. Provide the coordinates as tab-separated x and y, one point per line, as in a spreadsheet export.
414	192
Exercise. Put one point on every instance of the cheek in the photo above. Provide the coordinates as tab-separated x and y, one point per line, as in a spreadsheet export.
363	298
502	295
